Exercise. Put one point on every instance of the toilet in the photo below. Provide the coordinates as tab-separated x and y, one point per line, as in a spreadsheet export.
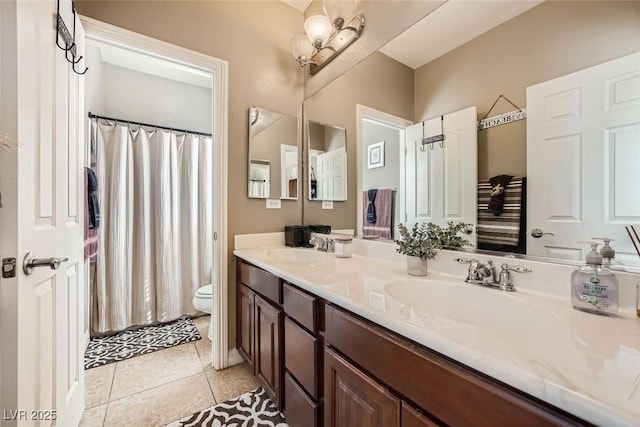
202	301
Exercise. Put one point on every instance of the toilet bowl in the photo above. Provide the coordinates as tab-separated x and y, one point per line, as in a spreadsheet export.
202	301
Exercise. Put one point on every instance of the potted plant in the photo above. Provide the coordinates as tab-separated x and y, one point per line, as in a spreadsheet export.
447	237
423	241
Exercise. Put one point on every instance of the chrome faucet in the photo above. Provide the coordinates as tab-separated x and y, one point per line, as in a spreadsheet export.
484	274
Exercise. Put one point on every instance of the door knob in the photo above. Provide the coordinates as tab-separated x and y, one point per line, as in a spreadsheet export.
29	263
537	233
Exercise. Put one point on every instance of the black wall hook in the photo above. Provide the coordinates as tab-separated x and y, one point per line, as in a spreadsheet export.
70	46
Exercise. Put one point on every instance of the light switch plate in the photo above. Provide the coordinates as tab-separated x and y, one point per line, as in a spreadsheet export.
273	204
327	204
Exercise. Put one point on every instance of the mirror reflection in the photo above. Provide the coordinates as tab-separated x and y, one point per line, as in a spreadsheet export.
327	162
574	185
273	155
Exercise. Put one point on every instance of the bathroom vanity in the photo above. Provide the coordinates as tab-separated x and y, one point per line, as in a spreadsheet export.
343	342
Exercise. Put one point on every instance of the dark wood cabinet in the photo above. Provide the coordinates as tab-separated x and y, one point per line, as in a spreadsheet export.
411	417
259	322
246	323
353	399
323	365
267	357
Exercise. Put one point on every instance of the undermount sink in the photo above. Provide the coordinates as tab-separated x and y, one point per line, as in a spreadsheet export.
298	255
470	304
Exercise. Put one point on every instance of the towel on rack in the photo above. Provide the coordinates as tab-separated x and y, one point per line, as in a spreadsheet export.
92	199
498	185
371	208
90	234
383	204
503	229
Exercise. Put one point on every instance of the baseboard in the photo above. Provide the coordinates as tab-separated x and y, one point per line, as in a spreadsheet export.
234	357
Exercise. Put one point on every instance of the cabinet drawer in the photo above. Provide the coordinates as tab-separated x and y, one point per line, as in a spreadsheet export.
300	410
301	306
301	354
263	282
451	393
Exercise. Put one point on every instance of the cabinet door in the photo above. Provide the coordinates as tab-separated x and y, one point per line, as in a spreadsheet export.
268	360
351	398
245	322
411	417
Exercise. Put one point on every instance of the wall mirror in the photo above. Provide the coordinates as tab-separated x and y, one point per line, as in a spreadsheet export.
327	157
273	155
583	33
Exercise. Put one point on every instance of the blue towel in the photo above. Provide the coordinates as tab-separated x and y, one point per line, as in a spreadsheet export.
371	209
92	199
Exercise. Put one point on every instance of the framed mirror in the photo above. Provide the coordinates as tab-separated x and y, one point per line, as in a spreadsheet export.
273	155
327	157
474	73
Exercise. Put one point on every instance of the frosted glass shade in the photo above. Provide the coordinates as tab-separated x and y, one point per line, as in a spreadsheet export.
318	29
301	48
338	11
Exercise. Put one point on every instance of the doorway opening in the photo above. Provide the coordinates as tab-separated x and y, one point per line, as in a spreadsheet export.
132	61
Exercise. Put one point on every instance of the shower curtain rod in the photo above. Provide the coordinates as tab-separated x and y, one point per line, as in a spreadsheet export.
130	122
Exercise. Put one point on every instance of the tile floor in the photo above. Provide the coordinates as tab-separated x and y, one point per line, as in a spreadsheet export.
160	387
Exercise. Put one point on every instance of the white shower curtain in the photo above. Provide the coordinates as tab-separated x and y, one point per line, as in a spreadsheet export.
156	237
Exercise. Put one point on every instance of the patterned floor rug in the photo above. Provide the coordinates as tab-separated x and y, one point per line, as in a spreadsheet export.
128	344
252	409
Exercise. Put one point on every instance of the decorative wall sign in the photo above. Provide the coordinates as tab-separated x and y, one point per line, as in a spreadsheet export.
375	155
503	119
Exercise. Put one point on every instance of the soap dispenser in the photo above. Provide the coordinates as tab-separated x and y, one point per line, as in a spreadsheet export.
594	288
609	255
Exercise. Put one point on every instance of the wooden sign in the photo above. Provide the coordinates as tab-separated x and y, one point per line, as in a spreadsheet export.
503	119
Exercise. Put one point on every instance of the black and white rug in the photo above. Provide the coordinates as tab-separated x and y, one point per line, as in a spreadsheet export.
252	409
127	344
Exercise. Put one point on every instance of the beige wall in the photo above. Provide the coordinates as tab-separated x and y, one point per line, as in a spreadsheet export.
548	41
378	82
253	36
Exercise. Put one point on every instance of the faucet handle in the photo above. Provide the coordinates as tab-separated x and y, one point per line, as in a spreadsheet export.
516	268
505	276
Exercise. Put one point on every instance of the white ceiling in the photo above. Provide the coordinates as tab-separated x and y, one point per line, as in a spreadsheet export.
451	25
301	5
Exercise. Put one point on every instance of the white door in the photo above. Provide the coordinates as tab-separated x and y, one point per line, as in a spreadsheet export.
583	152
42	213
441	181
332	168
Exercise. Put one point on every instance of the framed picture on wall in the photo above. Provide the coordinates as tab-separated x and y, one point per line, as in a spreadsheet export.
375	157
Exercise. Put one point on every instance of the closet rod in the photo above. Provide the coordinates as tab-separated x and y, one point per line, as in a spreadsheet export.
129	122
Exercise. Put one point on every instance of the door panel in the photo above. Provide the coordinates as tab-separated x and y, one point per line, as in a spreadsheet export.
583	147
45	196
441	180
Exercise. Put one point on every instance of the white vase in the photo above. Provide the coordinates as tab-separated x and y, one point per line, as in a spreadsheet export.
416	266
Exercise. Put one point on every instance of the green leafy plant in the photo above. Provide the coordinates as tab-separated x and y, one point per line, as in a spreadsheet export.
415	242
424	239
447	237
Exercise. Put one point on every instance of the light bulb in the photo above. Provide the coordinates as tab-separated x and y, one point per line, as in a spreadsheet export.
301	49
318	29
338	11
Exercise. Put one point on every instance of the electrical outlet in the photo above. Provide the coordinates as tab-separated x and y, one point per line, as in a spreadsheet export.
273	204
327	204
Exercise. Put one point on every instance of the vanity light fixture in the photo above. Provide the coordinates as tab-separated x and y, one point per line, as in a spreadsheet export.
326	35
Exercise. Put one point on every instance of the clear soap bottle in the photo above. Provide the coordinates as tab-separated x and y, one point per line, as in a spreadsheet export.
609	255
594	288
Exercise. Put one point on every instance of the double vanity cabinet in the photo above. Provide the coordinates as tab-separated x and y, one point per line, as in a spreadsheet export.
323	365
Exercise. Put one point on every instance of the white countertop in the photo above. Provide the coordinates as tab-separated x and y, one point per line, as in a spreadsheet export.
585	364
